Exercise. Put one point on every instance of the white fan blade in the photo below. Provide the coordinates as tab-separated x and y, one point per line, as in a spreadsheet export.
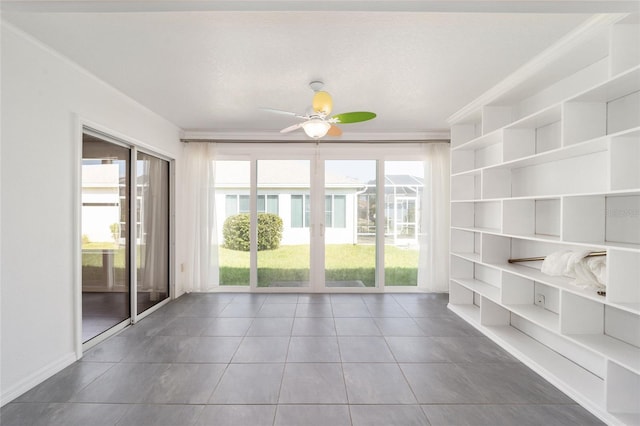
279	111
291	128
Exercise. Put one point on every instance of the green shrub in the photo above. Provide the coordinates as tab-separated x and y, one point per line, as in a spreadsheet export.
269	231
236	232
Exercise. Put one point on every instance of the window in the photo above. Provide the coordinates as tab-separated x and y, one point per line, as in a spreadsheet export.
231	205
268	204
235	204
243	204
335	211
300	211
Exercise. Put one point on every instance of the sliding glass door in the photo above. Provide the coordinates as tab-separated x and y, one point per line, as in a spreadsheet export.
125	210
350	223
232	192
152	231
283	208
319	218
105	235
403	199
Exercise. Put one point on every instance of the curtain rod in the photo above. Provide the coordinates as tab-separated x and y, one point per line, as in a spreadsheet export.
317	142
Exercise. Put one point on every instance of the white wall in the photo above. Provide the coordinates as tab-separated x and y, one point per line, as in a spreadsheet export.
42	96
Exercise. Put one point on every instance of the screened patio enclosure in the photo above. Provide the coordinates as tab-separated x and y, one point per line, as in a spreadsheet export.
402	201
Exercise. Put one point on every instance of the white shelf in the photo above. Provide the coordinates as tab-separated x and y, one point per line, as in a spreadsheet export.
470	313
607	244
471	172
485	289
481	142
474	257
623	353
468	200
535	237
477	229
545	318
577	382
624	83
631	191
562	283
562	153
634	308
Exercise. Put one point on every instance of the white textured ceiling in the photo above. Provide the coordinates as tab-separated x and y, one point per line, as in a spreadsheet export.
213	69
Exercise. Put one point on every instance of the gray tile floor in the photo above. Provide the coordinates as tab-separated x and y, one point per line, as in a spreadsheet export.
288	359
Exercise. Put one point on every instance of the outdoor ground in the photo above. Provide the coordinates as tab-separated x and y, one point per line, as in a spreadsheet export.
344	262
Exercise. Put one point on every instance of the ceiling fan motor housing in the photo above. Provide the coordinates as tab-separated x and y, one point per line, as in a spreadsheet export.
316	86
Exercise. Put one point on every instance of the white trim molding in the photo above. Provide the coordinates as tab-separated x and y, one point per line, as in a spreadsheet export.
438	6
197	135
37	377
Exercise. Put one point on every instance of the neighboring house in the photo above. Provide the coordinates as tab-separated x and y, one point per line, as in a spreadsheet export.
100	201
103	203
349	203
285	191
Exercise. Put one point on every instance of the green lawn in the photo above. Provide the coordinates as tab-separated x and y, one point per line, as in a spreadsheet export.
344	262
93	257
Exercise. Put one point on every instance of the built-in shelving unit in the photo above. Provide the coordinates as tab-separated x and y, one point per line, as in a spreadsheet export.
551	163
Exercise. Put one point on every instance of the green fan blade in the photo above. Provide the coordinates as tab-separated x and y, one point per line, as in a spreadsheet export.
354	117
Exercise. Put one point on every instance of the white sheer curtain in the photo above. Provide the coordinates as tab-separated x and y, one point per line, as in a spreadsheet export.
154	274
202	245
433	268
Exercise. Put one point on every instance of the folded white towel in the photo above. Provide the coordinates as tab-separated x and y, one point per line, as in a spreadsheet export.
556	263
587	272
598	265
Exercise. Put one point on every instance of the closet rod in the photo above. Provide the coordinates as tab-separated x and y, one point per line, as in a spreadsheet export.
533	259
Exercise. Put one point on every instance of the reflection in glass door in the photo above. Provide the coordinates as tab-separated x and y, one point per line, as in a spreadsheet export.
152	230
350	223
105	234
283	207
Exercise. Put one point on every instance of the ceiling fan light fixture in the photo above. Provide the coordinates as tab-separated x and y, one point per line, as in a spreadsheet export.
317	122
316	128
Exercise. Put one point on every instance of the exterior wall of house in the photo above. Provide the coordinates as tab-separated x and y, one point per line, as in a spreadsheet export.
100	201
43	98
295	235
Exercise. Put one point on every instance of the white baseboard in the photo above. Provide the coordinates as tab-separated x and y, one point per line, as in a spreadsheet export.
36	378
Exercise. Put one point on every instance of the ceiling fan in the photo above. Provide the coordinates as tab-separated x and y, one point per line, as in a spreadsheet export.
318	123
